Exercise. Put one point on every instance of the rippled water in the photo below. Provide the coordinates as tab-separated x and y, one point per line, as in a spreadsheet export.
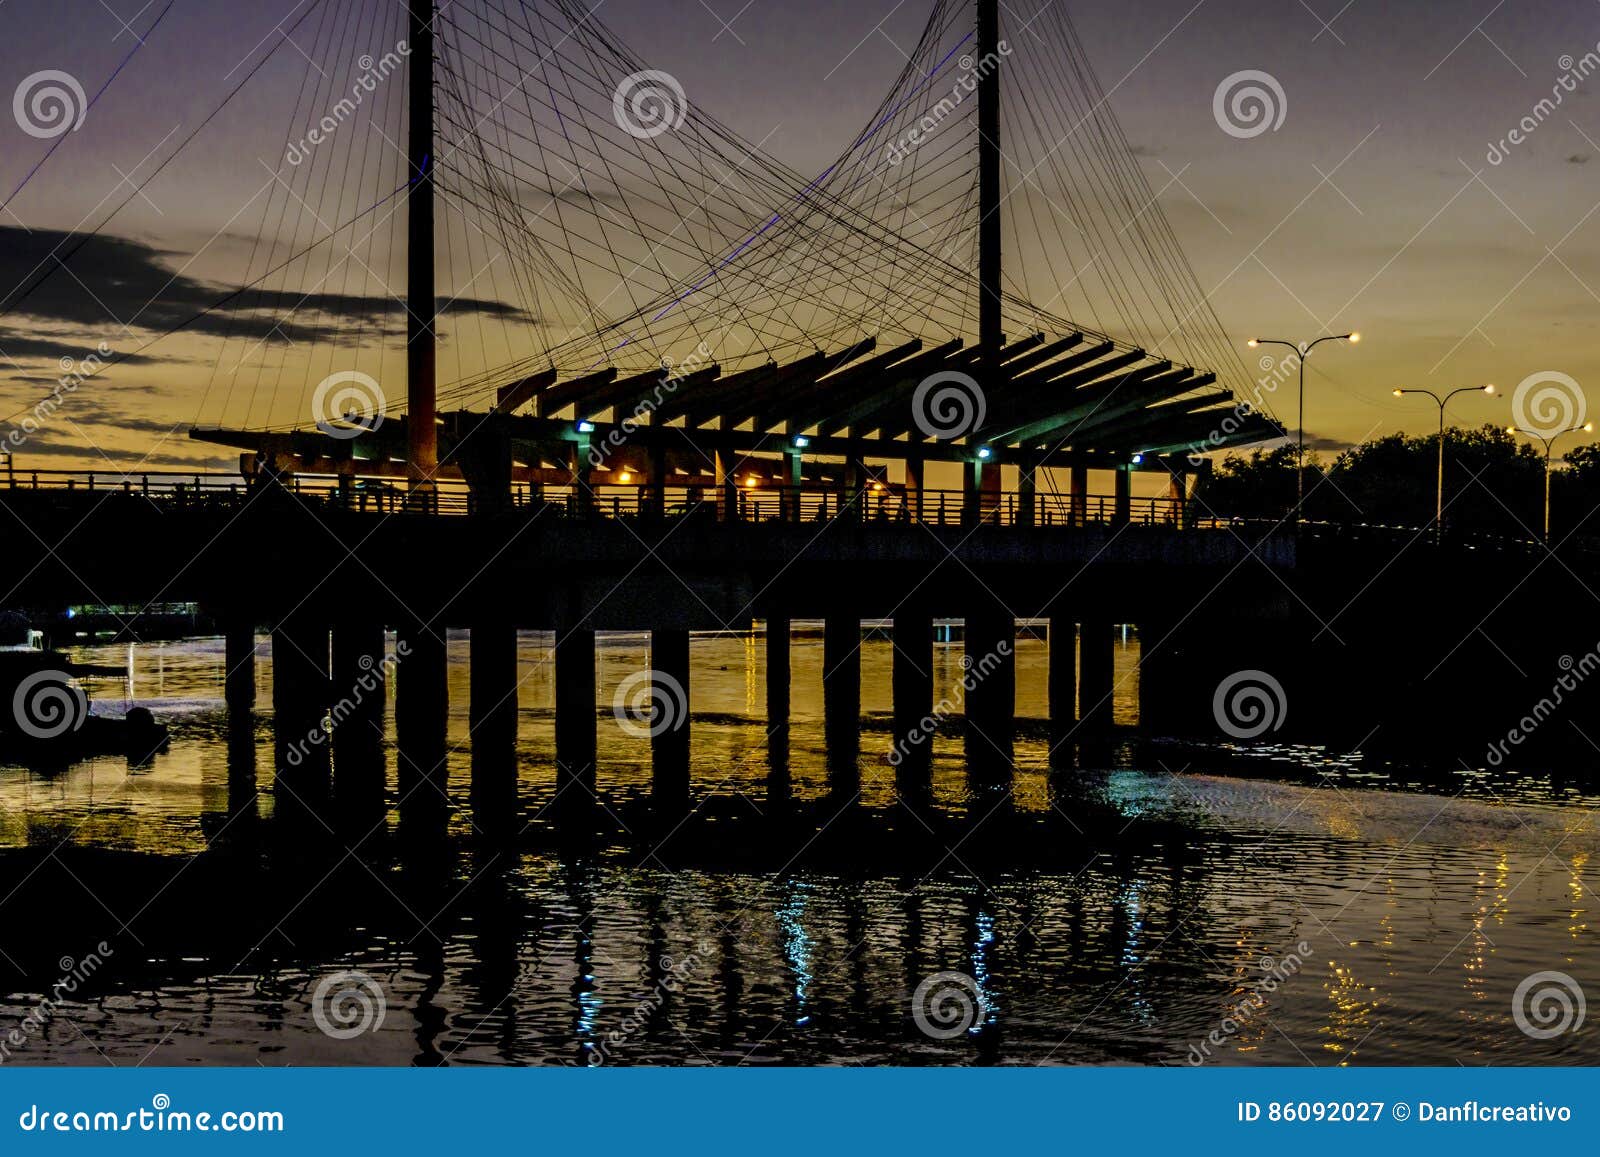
1151	904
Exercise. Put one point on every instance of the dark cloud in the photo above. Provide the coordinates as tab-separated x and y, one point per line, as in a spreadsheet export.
124	282
15	345
1578	159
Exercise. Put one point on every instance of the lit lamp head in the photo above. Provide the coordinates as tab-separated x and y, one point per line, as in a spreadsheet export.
1353	337
801	441
984	453
1252	343
1489	389
586	427
1399	393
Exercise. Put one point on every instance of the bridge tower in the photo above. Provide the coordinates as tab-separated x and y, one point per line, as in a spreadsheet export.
422	435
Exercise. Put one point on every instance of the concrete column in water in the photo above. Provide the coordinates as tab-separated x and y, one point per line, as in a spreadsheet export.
670	747
1096	674
360	684
575	715
492	710
778	676
421	716
841	687
912	742
239	663
990	691
1063	677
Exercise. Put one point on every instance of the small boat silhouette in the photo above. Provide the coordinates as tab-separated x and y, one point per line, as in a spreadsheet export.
45	718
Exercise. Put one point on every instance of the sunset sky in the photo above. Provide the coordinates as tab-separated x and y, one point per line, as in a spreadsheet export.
1374	206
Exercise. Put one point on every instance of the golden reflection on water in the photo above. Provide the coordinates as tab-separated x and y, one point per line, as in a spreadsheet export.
1422	912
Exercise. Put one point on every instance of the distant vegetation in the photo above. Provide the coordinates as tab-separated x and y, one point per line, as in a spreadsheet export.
1493	482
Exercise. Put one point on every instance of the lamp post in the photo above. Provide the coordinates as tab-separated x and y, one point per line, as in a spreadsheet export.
1549	441
1438	505
1302	351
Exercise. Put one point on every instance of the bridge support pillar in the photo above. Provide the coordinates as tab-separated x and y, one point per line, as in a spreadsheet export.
727	485
670	747
299	675
492	712
1096	674
656	493
239	664
914	487
1122	504
911	749
1027	493
575	716
841	692
778	672
421	717
1063	679
299	704
1178	496
360	676
989	687
1078	491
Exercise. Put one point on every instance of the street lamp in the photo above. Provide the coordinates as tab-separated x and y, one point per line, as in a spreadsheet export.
1549	441
1302	352
1438	505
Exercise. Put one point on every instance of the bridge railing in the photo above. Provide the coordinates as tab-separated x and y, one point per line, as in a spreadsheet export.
806	504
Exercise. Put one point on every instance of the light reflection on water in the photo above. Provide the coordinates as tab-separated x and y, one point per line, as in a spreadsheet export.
1424	904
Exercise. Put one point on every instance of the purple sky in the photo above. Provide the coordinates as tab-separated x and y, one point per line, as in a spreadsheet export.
1373	206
